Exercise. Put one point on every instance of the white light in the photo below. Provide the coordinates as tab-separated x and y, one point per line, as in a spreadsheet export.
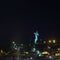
39	54
34	49
13	42
15	48
31	58
50	57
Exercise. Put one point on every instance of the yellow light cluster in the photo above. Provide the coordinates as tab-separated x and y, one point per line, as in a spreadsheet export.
52	41
45	52
57	54
58	49
2	53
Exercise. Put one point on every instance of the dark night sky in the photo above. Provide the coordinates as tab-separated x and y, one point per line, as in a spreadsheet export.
20	19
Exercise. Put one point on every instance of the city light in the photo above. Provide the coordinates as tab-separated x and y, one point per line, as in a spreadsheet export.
44	42
50	57
58	49
57	54
40	55
26	52
38	51
34	49
31	58
49	41
54	41
1	51
13	42
45	52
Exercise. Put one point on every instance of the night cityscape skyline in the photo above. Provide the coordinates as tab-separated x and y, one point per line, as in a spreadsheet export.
23	30
29	30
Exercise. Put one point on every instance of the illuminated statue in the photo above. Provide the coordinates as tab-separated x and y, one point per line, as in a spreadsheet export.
36	36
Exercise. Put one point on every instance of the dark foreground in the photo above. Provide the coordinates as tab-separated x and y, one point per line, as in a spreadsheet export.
11	58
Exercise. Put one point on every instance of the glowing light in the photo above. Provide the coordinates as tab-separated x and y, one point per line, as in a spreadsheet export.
49	41
50	57
26	52
1	51
34	49
45	52
49	47
38	52
58	49
31	58
40	55
44	42
15	48
57	54
13	42
54	41
36	37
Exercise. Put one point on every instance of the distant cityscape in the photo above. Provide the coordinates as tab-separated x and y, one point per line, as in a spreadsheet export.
37	49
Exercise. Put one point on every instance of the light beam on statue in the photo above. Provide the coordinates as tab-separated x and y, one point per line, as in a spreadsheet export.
36	36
